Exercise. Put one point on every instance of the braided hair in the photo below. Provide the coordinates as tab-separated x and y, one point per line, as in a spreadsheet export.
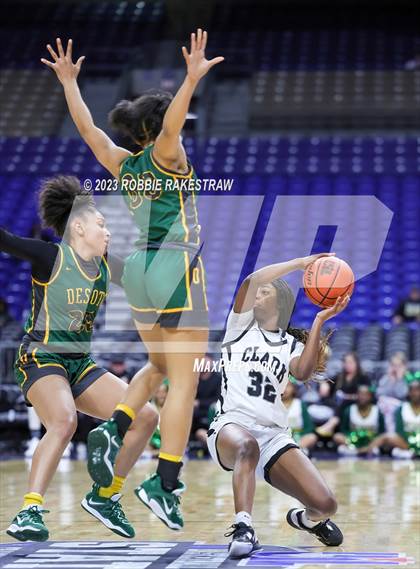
285	304
141	119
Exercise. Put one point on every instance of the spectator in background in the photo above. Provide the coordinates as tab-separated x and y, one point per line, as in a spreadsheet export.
392	388
5	317
405	443
409	308
34	425
299	419
158	401
342	391
362	425
118	367
413	64
208	392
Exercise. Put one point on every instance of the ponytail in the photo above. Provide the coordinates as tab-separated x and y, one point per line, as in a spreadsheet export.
141	119
323	351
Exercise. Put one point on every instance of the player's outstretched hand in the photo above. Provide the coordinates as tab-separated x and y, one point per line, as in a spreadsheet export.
63	65
197	64
339	306
306	261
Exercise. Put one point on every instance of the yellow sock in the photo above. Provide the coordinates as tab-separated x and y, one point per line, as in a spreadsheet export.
170	457
126	409
115	488
32	499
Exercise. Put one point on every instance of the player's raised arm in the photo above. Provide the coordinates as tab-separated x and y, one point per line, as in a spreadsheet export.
303	366
245	297
107	153
168	148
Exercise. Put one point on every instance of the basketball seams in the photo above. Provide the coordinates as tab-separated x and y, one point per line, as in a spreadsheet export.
315	300
324	296
341	294
308	288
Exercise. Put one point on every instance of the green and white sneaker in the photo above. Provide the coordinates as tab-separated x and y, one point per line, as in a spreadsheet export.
162	503
103	445
28	525
108	511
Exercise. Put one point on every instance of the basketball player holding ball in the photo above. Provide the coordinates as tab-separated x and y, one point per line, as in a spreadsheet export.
250	434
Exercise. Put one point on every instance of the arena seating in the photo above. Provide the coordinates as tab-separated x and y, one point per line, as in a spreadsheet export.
383	167
126	25
32	102
340	99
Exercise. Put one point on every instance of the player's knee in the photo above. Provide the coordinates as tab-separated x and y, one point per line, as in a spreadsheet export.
65	427
248	451
158	365
327	504
149	419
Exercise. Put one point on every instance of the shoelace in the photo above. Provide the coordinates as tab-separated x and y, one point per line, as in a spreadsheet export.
322	525
35	514
240	531
117	511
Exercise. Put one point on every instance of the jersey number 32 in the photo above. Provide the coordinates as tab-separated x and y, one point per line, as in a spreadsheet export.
258	387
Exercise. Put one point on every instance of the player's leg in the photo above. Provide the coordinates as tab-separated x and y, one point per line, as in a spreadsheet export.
182	349
148	378
238	450
294	474
161	492
99	400
53	401
185	341
105	441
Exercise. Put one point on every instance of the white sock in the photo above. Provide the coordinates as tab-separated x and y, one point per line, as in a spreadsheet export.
307	522
243	517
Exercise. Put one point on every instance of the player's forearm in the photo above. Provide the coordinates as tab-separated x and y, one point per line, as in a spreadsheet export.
308	358
79	111
16	246
176	113
40	253
272	272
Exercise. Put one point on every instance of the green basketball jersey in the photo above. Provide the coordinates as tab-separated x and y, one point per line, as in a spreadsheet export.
162	202
65	307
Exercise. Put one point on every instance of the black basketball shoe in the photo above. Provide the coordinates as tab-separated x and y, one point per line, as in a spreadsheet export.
326	531
244	541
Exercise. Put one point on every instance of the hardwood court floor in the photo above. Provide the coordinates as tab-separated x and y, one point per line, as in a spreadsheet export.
378	506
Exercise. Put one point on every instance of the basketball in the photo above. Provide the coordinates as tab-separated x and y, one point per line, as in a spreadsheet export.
326	279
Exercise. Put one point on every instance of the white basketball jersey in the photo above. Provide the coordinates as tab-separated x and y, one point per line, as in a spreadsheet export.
255	369
370	422
411	421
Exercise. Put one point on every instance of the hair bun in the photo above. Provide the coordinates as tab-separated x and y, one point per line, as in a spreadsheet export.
121	117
